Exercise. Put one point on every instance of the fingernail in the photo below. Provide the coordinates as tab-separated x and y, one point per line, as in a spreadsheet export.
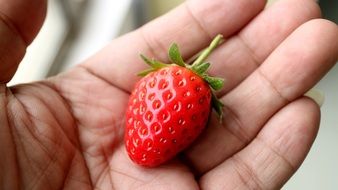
316	95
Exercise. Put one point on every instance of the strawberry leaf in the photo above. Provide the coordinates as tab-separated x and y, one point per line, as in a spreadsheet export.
175	55
145	72
218	106
153	63
216	83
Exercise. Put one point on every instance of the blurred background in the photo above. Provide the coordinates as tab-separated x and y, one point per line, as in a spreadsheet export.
76	29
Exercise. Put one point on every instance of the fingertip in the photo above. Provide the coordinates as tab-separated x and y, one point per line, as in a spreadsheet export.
312	6
324	34
309	115
323	25
24	17
293	130
322	29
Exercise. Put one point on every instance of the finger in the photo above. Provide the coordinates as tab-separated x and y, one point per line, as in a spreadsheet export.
244	52
19	23
191	25
274	155
294	67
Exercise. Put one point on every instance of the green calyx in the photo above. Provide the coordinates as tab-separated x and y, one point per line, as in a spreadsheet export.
199	67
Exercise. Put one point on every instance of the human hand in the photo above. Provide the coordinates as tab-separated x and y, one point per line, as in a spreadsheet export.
67	131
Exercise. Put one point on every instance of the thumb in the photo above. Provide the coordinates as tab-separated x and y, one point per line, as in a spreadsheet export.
20	21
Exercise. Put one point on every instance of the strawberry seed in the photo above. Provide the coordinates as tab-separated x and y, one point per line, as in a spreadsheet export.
151	96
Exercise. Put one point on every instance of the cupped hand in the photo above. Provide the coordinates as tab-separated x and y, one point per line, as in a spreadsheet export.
67	131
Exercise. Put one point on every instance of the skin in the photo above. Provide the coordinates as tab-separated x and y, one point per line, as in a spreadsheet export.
66	132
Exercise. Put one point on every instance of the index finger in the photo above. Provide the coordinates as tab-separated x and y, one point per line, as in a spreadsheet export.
191	25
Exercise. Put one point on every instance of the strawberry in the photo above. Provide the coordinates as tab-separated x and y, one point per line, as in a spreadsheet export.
169	107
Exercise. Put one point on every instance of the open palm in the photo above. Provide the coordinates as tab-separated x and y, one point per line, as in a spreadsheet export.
67	131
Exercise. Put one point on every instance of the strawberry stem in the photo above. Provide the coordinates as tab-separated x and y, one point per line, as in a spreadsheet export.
201	68
204	55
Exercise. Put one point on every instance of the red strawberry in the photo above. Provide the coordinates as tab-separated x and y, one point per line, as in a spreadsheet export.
169	107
